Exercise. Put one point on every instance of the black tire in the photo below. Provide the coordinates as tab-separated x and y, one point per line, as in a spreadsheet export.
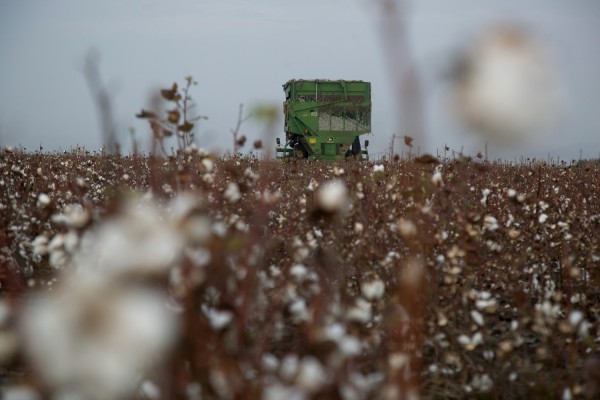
354	150
356	147
299	152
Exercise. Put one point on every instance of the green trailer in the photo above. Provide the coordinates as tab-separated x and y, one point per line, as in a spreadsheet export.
324	119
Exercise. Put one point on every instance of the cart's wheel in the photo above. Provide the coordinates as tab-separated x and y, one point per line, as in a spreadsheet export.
354	149
299	151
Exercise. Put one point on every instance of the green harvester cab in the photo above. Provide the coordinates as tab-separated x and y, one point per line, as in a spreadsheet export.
324	119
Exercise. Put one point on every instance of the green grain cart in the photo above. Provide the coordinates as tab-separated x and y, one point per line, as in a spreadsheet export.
323	119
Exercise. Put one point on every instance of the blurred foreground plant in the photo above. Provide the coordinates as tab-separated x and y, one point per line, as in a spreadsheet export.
505	87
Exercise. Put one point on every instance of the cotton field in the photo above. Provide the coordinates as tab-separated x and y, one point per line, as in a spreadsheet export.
204	277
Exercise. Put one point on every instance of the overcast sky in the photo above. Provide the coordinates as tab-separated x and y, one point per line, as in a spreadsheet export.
243	51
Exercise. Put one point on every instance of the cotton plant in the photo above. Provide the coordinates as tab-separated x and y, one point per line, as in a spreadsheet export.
104	324
96	341
505	85
271	295
332	197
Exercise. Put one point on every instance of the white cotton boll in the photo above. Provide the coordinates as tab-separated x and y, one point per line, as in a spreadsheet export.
398	361
490	223
584	329
208	165
373	290
269	197
486	304
298	271
470	343
548	310
289	366
358	228
43	200
275	271
208	178
72	216
232	192
277	391
484	295
436	178
563	225
477	338
511	193
489	355
301	254
312	185
311	375
543	218
299	310
97	341
218	319
514	324
482	383
464	339
575	317
138	242
154	251
378	168
219	382
168	189
40	245
199	257
269	362
406	228
349	346
477	317
219	229
334	332
360	312
150	390
251	175
358	385
332	196
506	88
485	193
